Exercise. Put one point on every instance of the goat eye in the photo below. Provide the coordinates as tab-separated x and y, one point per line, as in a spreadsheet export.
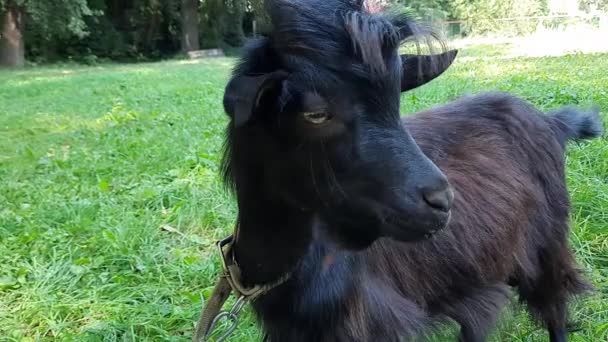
317	118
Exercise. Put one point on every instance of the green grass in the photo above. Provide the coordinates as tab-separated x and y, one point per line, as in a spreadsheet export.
95	160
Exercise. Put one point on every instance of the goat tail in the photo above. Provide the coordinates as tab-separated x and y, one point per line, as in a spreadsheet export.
572	123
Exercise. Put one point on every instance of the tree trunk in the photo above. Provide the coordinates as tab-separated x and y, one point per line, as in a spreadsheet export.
261	18
12	49
189	25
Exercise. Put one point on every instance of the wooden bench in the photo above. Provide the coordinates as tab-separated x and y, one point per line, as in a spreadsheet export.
206	53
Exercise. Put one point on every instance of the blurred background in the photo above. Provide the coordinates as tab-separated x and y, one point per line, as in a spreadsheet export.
93	31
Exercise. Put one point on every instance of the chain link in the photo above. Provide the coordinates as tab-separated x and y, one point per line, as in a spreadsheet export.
232	316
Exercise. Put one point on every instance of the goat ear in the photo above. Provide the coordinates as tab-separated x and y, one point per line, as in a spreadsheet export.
245	95
418	70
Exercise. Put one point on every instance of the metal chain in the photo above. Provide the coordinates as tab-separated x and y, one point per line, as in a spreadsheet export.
231	277
232	316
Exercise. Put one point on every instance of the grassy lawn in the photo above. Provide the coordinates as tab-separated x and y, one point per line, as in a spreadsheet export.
110	201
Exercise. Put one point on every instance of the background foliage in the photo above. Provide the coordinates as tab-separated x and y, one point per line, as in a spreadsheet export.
87	30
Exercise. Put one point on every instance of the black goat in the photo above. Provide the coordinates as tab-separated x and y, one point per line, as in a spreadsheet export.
331	185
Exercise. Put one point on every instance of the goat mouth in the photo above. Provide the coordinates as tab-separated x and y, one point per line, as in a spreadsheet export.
411	230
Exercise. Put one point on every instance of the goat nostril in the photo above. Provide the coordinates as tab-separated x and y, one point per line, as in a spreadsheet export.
439	199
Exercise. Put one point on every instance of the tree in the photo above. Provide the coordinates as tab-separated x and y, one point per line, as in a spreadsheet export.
260	16
190	25
50	20
12	49
593	5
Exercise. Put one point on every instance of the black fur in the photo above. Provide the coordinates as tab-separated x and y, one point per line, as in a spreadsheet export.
576	125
